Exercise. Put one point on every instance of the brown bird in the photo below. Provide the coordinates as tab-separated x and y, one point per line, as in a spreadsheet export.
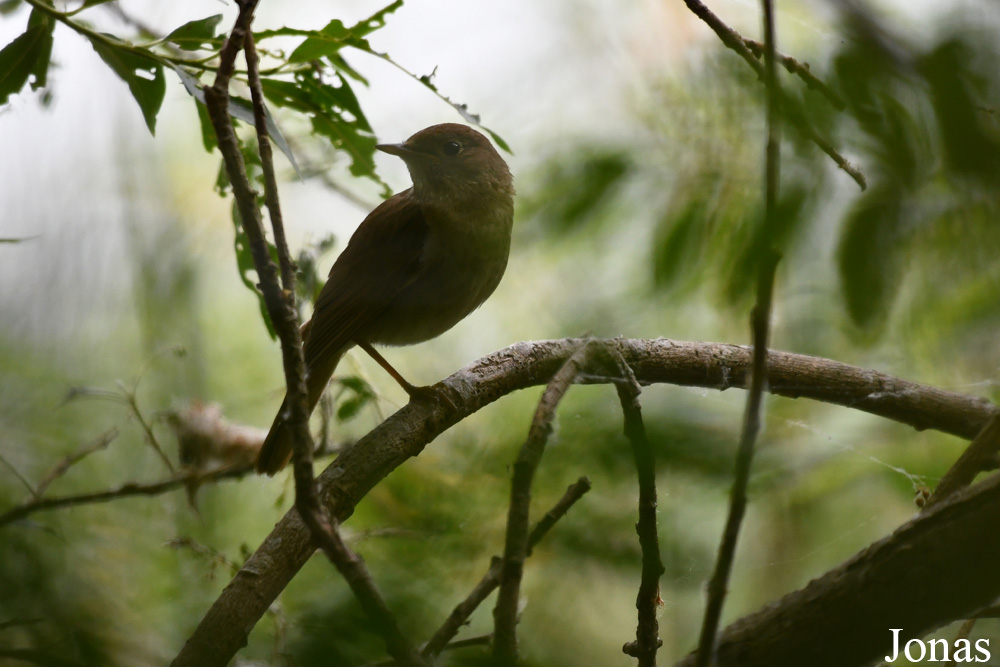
418	264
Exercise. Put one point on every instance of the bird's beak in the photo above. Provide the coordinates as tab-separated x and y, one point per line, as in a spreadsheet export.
399	150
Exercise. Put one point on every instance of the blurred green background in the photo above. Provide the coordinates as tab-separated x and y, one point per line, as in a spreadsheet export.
638	157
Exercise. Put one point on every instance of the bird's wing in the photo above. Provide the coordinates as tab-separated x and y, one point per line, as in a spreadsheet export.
381	260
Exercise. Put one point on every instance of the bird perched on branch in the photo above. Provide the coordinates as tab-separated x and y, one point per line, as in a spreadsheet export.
418	264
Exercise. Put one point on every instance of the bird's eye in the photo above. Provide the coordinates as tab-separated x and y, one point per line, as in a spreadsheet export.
452	148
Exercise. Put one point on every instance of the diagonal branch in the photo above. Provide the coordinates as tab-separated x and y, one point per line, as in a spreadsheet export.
979	456
760	324
938	567
283	314
733	40
647	640
70	460
286	264
128	490
516	544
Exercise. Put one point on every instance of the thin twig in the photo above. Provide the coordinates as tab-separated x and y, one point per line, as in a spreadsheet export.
802	71
733	40
281	308
133	404
516	543
267	165
70	460
573	493
647	640
979	456
760	321
963	633
124	491
17	473
442	639
211	554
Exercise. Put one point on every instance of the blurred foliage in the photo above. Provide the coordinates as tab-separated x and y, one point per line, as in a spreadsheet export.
922	118
653	231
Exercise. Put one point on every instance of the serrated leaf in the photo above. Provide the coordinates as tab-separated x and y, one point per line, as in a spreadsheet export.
360	148
335	114
376	20
341	65
335	99
27	55
197	35
329	40
143	74
463	109
325	43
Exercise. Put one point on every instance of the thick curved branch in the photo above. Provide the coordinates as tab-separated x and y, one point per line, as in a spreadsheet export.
938	567
224	629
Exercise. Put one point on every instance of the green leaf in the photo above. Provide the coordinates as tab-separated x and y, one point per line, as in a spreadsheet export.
240	109
871	256
362	396
197	35
463	109
334	36
969	137
335	114
143	74
324	42
246	267
764	236
208	139
27	55
9	7
93	3
41	68
680	243
376	20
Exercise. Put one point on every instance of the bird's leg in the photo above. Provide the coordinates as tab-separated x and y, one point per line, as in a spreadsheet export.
414	392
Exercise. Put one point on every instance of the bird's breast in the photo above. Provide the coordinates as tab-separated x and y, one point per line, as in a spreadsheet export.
461	264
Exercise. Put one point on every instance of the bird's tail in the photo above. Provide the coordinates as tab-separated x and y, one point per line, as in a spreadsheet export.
277	448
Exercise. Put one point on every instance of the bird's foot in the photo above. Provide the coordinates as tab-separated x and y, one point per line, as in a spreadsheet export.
433	393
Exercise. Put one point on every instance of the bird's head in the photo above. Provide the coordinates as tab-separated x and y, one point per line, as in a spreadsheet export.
453	163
